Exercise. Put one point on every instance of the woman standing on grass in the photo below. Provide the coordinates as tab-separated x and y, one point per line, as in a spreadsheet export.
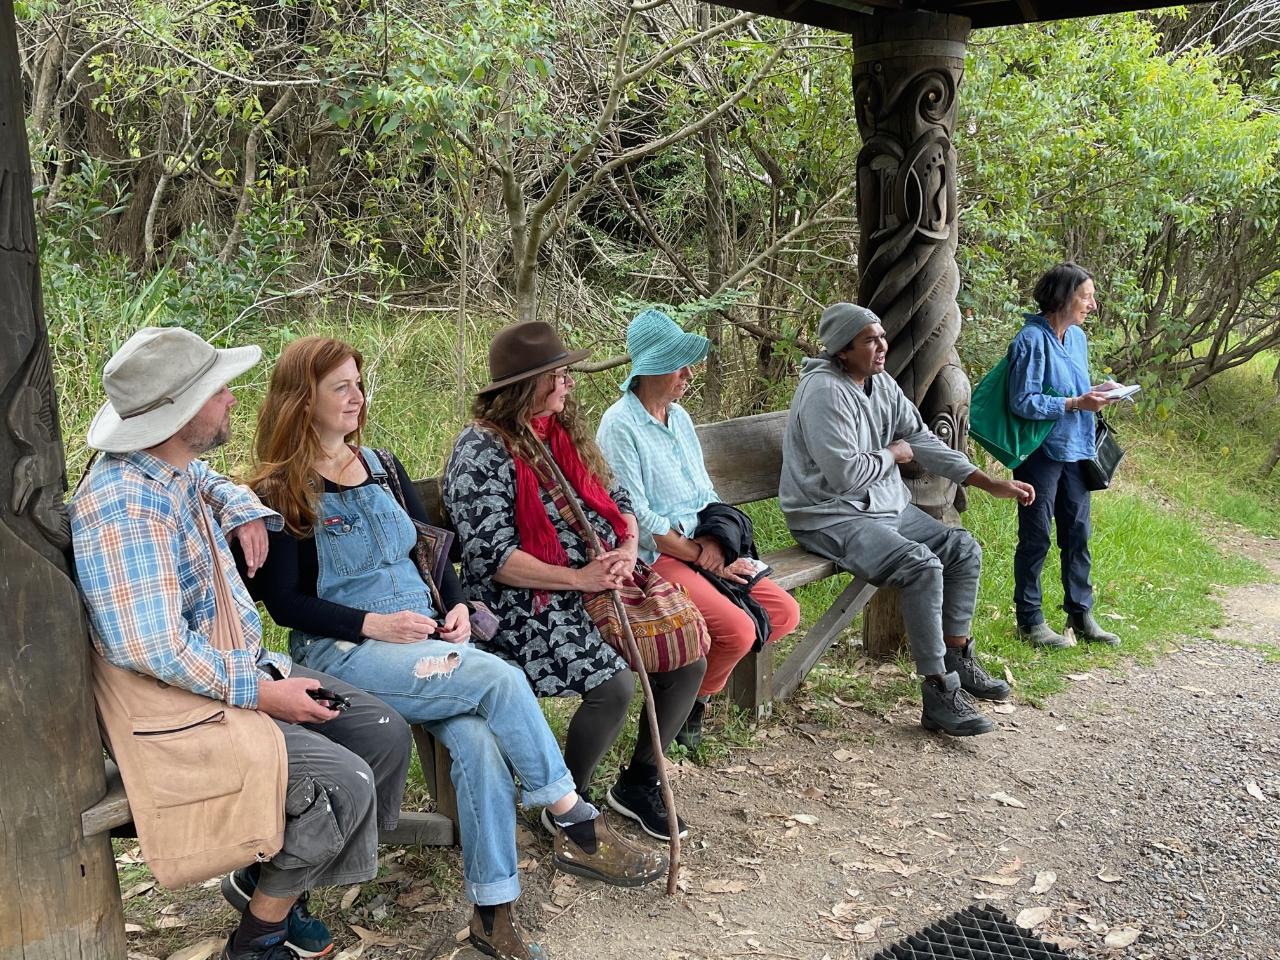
341	576
526	558
651	445
1049	380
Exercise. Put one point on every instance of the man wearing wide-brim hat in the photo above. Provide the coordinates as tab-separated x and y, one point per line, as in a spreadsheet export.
842	493
151	525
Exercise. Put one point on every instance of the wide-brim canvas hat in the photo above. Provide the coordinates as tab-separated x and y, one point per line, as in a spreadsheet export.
157	382
657	345
525	350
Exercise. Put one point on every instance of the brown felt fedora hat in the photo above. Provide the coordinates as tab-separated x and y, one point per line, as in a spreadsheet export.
524	350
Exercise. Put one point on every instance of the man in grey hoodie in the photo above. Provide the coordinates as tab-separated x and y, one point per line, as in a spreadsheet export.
844	498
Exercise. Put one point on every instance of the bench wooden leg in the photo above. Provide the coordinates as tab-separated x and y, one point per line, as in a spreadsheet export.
750	686
436	766
791	673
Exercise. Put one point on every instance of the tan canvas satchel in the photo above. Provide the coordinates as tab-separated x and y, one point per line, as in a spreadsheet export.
205	780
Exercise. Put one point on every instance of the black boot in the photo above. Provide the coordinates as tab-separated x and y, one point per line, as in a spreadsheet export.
638	796
974	680
949	709
690	734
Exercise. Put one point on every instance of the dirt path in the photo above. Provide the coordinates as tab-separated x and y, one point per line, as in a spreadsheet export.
1143	806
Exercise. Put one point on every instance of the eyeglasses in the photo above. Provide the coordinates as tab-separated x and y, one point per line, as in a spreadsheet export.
561	377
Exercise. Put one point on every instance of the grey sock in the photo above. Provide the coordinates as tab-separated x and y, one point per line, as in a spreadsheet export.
580	812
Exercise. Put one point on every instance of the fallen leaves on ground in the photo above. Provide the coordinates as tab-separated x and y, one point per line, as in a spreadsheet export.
1044	880
724	886
1122	938
138	889
1032	917
997	880
198	951
1107	875
1255	791
1007	800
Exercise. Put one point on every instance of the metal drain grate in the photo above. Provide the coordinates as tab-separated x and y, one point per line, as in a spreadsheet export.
972	934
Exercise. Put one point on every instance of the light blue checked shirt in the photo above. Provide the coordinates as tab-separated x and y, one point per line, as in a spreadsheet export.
144	568
660	465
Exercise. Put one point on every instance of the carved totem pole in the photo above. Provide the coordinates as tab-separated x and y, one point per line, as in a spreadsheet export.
60	894
906	75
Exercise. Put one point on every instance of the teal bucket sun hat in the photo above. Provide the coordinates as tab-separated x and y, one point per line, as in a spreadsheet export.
657	345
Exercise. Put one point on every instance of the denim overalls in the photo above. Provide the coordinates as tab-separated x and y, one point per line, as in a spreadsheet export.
479	706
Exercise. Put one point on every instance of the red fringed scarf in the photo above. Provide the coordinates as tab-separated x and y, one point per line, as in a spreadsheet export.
537	535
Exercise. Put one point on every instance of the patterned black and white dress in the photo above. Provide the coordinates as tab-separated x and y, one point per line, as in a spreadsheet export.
546	633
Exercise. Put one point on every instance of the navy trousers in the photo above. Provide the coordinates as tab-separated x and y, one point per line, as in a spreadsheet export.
1062	498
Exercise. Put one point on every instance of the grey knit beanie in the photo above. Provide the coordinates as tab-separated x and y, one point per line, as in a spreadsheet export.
840	323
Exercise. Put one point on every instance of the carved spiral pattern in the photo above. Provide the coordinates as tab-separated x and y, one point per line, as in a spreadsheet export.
907	209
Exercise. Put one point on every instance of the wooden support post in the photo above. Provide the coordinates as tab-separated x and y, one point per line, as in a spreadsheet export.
436	771
906	76
750	686
61	899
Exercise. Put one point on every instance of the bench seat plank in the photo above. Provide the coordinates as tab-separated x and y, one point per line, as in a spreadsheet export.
795	566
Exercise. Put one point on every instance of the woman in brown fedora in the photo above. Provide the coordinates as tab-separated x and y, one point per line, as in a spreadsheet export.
525	554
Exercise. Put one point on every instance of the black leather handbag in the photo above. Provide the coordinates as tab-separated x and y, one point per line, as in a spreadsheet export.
1099	471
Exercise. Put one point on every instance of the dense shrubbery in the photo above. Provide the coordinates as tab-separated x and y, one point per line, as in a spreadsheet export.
220	162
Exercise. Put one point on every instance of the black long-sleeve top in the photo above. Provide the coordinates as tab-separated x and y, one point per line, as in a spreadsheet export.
286	583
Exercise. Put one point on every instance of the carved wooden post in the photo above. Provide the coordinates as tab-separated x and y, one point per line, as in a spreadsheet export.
906	74
61	900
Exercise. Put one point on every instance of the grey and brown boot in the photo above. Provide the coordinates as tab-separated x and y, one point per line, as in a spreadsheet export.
1088	629
948	708
608	857
974	680
496	932
1042	635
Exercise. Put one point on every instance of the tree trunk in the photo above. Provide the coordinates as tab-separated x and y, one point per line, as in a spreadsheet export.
906	74
61	897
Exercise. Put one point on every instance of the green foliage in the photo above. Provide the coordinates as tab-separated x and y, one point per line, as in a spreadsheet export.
1085	139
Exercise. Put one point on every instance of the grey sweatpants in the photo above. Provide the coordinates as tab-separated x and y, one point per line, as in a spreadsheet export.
934	567
346	779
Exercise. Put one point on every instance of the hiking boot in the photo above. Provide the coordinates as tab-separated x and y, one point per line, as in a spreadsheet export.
948	708
270	947
1088	630
1042	635
305	935
974	680
690	734
642	802
614	860
502	936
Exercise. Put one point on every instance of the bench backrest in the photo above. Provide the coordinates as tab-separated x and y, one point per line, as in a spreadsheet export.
743	457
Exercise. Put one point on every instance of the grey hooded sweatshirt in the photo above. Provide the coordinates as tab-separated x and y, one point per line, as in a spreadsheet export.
836	464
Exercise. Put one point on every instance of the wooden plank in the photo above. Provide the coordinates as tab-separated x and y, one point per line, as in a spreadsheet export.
109	812
744	456
795	566
791	673
418	829
436	770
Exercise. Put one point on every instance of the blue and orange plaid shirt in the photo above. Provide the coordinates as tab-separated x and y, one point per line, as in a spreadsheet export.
144	568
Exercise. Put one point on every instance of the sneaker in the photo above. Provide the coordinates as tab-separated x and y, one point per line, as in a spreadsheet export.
305	935
615	860
642	802
1088	630
1042	635
270	947
947	707
690	735
502	938
974	680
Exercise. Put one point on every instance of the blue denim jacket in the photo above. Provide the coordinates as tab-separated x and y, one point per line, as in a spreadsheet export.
1039	362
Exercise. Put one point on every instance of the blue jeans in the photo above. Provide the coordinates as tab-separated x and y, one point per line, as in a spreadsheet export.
1061	498
482	709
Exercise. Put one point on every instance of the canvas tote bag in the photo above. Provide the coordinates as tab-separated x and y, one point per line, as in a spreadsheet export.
205	780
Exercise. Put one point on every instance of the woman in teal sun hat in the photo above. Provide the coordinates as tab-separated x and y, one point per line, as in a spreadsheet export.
650	444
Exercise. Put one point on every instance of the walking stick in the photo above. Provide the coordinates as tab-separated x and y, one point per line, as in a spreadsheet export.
633	655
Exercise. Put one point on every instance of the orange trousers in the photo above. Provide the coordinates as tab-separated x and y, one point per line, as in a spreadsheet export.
733	633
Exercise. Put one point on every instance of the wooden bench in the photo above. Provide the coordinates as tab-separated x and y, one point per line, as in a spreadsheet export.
744	459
